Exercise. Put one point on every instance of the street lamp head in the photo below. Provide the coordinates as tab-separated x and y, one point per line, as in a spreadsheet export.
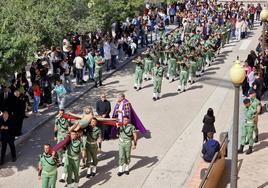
264	15
237	73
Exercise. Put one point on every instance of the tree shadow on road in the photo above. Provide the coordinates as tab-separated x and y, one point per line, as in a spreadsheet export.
147	86
104	173
144	161
111	83
263	185
263	136
209	73
260	146
195	87
166	95
212	68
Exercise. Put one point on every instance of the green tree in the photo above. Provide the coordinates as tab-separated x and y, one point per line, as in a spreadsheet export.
29	26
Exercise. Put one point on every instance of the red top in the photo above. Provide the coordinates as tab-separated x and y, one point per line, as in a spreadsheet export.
37	91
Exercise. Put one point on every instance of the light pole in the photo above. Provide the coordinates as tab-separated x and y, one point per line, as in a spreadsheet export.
264	19
237	75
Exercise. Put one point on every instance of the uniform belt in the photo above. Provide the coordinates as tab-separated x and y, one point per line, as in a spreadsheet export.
53	172
125	141
92	143
249	121
71	157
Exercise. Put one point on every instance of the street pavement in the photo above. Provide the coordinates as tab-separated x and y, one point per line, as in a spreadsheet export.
167	156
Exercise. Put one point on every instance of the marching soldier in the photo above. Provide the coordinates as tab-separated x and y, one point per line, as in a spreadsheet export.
158	72
92	144
183	74
47	168
138	73
73	159
127	134
99	61
248	127
171	66
148	65
256	105
209	53
192	66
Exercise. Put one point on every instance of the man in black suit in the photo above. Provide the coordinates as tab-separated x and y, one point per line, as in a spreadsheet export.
103	108
18	111
7	136
5	99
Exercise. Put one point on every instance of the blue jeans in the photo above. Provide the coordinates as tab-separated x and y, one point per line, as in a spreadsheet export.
79	76
36	103
91	72
107	64
61	101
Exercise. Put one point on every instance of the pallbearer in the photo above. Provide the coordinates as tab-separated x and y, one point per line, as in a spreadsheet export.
73	159
127	135
92	144
47	168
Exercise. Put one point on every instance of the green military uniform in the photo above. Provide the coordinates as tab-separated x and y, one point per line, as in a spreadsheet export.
157	78
209	53
255	103
125	143
171	68
199	61
138	75
72	160
247	129
98	69
91	147
61	125
148	65
192	68
49	171
183	77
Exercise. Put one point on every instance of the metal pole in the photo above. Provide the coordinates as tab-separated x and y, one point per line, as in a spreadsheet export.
234	171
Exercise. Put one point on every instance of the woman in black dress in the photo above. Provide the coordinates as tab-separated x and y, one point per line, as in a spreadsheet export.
209	120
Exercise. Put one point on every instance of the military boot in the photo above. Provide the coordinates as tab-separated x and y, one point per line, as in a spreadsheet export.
249	151
256	139
241	149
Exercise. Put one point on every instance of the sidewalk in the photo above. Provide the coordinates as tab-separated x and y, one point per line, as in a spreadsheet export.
34	121
253	168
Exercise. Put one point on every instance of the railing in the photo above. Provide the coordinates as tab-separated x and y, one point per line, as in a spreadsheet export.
213	174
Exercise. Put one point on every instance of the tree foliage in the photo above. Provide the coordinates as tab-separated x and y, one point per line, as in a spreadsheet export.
28	26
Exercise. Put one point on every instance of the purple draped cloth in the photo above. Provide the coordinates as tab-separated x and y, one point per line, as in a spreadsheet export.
128	111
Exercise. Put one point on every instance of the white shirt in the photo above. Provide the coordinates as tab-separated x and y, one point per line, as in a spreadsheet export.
65	46
114	47
79	62
121	113
107	51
